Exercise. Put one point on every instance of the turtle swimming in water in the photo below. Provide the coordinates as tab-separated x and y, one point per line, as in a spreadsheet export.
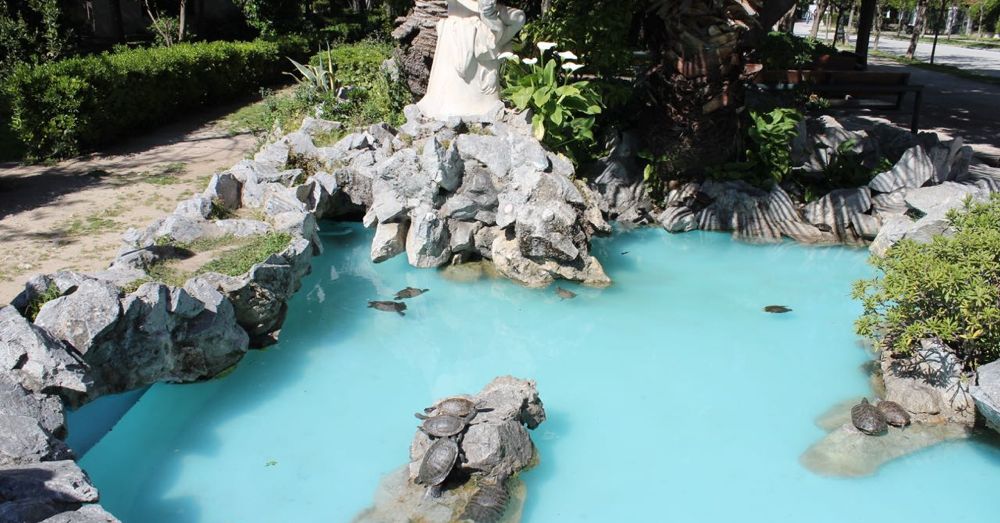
488	504
409	292
565	294
777	309
894	413
868	419
444	425
388	306
438	461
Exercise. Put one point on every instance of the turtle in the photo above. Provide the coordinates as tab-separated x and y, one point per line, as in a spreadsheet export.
894	413
409	292
565	294
777	309
444	425
388	306
868	419
438	461
488	504
456	406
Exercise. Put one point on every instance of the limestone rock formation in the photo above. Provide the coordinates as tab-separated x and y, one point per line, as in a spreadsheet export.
496	447
930	384
987	394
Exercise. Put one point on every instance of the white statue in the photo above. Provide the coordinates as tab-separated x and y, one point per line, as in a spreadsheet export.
464	77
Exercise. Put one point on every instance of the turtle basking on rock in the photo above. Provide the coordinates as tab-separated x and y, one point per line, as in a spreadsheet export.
488	504
444	425
438	461
868	419
456	406
894	413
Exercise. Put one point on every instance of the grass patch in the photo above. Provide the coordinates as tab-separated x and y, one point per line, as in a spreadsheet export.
239	256
97	223
940	68
165	175
33	307
235	262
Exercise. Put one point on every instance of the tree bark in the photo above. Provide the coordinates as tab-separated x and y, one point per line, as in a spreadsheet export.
416	35
818	16
918	28
181	20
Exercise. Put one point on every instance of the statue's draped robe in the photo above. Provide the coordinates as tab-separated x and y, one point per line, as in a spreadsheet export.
464	75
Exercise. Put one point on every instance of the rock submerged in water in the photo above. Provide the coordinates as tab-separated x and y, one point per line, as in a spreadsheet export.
483	485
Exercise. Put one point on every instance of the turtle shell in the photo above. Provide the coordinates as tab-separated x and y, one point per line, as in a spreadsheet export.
443	426
458	406
488	503
438	461
868	419
894	413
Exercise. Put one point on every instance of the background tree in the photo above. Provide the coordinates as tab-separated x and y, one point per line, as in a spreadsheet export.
918	28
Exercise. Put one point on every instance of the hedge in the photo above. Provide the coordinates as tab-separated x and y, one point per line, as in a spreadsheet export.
61	108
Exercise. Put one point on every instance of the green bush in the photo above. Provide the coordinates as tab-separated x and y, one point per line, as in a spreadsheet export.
373	96
61	108
949	288
599	30
769	153
780	50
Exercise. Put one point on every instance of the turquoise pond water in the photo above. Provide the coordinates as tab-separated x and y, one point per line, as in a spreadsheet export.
671	396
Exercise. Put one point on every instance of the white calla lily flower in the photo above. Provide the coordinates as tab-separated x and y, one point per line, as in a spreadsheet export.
571	66
529	61
545	46
567	55
507	55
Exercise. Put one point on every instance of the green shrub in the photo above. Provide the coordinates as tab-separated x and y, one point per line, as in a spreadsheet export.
949	288
373	97
34	306
61	108
780	50
598	29
564	109
769	154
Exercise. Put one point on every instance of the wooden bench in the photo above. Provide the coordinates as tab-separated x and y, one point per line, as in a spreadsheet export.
841	84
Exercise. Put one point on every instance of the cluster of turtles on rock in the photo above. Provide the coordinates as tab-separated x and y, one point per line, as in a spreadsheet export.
875	419
396	304
444	423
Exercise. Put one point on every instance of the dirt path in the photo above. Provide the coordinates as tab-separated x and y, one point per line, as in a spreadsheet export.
71	215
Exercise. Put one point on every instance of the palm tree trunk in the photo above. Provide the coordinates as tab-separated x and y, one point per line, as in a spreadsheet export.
417	37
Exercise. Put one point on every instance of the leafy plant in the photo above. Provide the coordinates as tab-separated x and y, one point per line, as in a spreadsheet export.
34	306
769	154
771	135
780	50
319	77
948	288
564	110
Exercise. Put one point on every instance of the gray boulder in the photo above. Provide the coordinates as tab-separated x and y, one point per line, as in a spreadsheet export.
197	207
930	384
443	164
226	189
23	441
619	181
677	218
46	409
38	360
948	195
389	240
987	394
84	514
83	315
845	212
427	239
37	491
912	170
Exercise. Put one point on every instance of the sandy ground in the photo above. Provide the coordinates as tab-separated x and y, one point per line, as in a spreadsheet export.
71	215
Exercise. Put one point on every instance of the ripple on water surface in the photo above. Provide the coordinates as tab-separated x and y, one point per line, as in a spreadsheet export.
671	395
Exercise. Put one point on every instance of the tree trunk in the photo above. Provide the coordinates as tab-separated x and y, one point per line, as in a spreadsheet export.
697	82
899	24
817	17
116	19
416	35
918	28
181	20
878	25
981	21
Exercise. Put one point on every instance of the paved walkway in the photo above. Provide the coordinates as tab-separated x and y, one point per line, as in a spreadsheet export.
983	61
